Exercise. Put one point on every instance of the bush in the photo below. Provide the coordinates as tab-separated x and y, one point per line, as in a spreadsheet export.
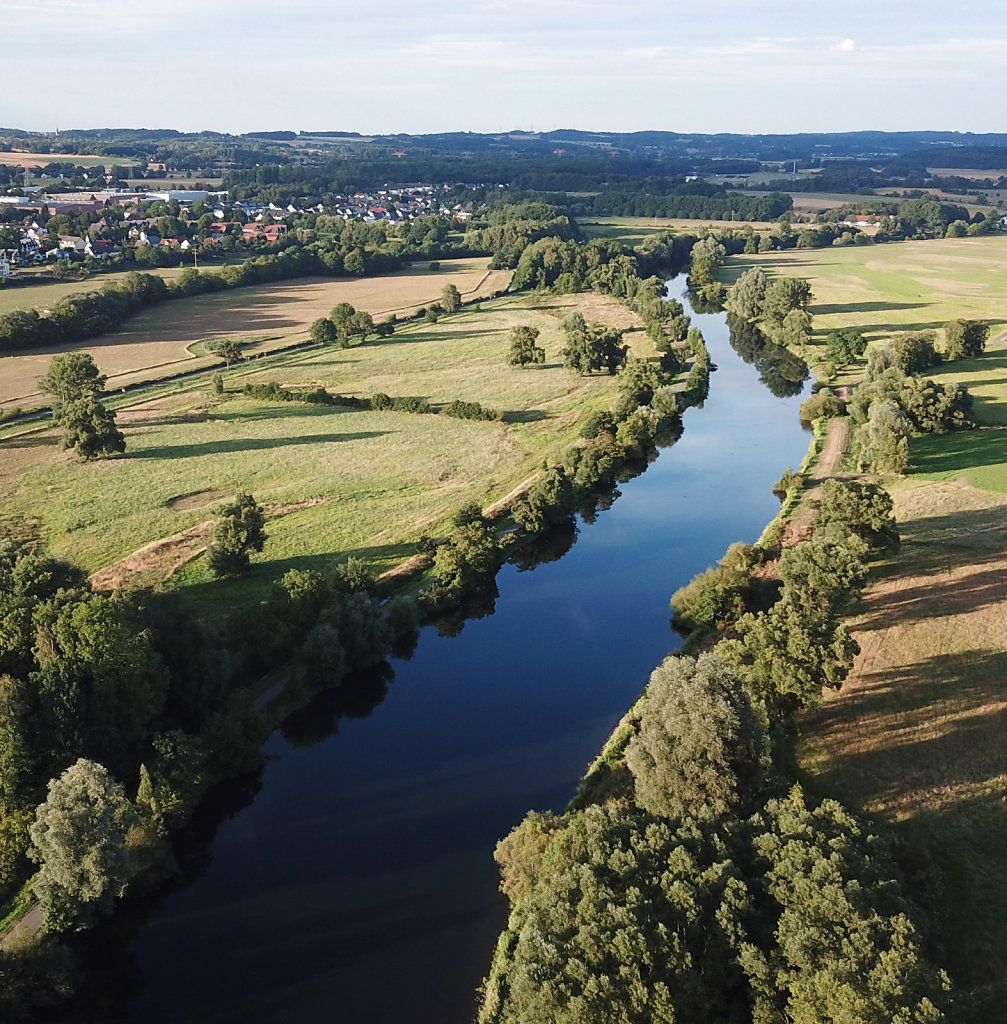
469	411
824	403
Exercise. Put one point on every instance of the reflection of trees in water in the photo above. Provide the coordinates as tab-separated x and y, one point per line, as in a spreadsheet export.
476	604
780	370
358	694
550	546
746	338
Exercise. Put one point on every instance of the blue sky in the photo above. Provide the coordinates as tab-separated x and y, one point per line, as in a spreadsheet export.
490	65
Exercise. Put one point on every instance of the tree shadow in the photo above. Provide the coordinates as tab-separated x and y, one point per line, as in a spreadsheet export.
864	307
958	452
245	444
524	416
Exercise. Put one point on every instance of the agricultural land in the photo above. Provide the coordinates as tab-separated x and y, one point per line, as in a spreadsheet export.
166	340
332	479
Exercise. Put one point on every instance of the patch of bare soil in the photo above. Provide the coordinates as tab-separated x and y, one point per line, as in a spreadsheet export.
278	509
186	502
155	562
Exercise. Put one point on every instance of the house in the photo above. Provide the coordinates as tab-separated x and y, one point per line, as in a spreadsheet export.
99	247
72	243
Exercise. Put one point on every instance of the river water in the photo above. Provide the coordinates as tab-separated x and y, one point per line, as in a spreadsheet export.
358	885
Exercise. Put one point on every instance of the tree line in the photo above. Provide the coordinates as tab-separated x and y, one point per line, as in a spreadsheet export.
689	879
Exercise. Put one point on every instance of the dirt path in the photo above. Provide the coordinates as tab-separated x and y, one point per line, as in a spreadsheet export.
24	930
837	440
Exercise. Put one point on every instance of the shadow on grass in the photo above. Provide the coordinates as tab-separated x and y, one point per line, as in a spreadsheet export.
29	442
524	416
924	741
864	307
245	444
948	454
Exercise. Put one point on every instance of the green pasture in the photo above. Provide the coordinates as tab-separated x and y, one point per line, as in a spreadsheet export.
897	286
349	482
47	292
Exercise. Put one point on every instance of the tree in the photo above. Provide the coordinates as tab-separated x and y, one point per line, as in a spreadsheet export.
847	944
79	838
239	531
915	351
361	323
843	346
523	347
699	750
884	438
229	350
787	655
965	339
860	507
451	298
71	376
90	429
592	347
323	331
783	295
796	328
821	572
75	384
748	293
341	314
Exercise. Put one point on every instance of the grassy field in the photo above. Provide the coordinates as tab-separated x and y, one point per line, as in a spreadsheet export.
333	480
19	159
48	292
897	286
635	229
269	315
916	735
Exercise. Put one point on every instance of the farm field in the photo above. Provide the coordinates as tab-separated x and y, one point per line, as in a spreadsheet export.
20	159
273	315
633	230
333	480
48	292
898	286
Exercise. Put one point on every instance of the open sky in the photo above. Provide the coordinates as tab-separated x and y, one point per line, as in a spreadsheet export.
489	65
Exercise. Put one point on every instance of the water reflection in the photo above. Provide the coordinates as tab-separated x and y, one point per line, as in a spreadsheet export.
783	372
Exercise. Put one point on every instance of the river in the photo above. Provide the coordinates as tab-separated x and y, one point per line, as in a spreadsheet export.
358	885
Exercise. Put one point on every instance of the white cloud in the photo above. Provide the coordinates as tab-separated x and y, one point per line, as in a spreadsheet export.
845	46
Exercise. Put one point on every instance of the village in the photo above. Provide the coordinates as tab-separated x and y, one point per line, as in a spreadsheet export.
115	225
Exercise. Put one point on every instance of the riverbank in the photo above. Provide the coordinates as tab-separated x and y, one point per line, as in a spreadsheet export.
368	849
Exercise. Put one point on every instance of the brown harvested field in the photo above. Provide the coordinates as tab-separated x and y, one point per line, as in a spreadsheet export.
967	172
274	315
917	736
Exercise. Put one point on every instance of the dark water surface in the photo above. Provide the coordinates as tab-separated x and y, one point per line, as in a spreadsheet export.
358	885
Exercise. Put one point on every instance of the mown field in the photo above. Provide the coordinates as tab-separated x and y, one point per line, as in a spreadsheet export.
915	736
333	480
269	316
47	292
634	230
897	286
